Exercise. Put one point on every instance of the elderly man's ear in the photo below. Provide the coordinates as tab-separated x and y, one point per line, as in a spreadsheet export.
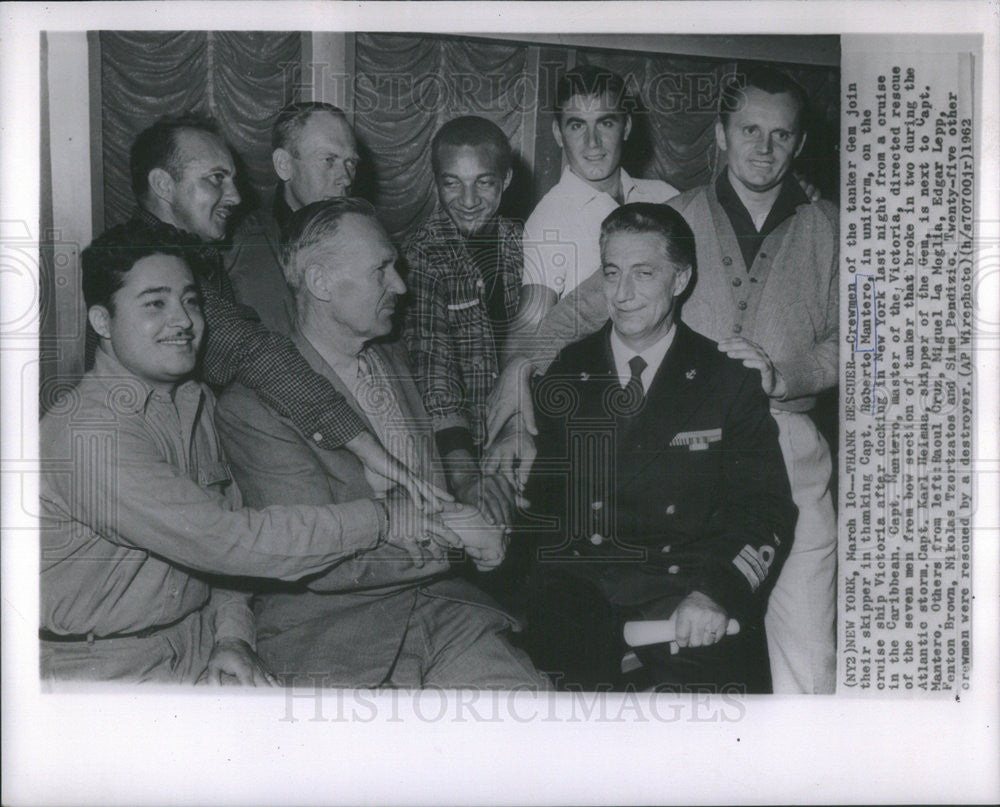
318	283
161	184
282	161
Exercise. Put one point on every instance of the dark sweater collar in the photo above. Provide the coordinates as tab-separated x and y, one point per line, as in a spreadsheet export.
790	197
280	209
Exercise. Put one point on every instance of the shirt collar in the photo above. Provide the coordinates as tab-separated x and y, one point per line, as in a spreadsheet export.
652	355
790	196
126	392
148	218
209	253
341	363
586	193
628	184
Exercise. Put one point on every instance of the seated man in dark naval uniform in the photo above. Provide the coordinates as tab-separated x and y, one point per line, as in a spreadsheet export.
658	491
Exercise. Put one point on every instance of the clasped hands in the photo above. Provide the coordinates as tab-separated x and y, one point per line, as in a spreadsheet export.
426	536
235	663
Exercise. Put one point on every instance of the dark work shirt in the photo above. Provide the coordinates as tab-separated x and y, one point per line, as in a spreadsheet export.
280	209
462	291
747	235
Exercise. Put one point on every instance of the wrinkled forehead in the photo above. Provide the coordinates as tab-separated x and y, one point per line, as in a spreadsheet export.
780	109
198	150
357	243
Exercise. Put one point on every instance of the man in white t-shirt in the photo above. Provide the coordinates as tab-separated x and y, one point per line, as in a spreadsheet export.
591	126
561	250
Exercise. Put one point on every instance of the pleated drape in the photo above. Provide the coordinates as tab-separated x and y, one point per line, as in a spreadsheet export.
674	132
406	87
240	78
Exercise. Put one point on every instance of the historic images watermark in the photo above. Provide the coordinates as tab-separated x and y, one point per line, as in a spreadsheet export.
307	698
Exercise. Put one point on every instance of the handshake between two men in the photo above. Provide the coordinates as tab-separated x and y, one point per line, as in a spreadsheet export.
426	535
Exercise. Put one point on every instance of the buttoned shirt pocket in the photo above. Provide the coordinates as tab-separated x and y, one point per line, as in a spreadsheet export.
465	306
471	332
468	324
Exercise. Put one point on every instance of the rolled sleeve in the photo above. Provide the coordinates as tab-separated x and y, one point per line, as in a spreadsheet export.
454	438
234	617
146	503
241	348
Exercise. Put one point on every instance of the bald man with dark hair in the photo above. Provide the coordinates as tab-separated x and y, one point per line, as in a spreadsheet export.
188	200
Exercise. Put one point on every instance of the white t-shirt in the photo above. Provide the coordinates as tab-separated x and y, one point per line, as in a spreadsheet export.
562	234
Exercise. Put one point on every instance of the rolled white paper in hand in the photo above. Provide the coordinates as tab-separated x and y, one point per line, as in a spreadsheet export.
657	631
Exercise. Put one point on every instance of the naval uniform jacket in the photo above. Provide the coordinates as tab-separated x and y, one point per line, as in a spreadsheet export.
653	498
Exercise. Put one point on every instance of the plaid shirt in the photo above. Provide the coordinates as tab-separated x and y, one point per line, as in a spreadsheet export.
240	348
448	329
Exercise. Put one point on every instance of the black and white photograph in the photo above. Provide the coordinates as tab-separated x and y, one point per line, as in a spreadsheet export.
523	408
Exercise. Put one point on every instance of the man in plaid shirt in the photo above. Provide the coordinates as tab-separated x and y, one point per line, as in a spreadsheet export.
465	265
183	178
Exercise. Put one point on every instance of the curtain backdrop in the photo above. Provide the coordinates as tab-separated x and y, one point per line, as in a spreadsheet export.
241	79
674	134
406	87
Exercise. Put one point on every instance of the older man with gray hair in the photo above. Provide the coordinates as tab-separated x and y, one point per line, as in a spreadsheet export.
380	618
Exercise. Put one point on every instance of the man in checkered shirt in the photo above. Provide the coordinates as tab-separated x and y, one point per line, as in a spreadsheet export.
183	178
465	264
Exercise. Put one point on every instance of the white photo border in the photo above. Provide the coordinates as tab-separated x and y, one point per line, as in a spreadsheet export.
236	748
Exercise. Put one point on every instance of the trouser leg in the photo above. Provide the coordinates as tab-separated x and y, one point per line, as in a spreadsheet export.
801	613
452	644
574	634
737	663
332	640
